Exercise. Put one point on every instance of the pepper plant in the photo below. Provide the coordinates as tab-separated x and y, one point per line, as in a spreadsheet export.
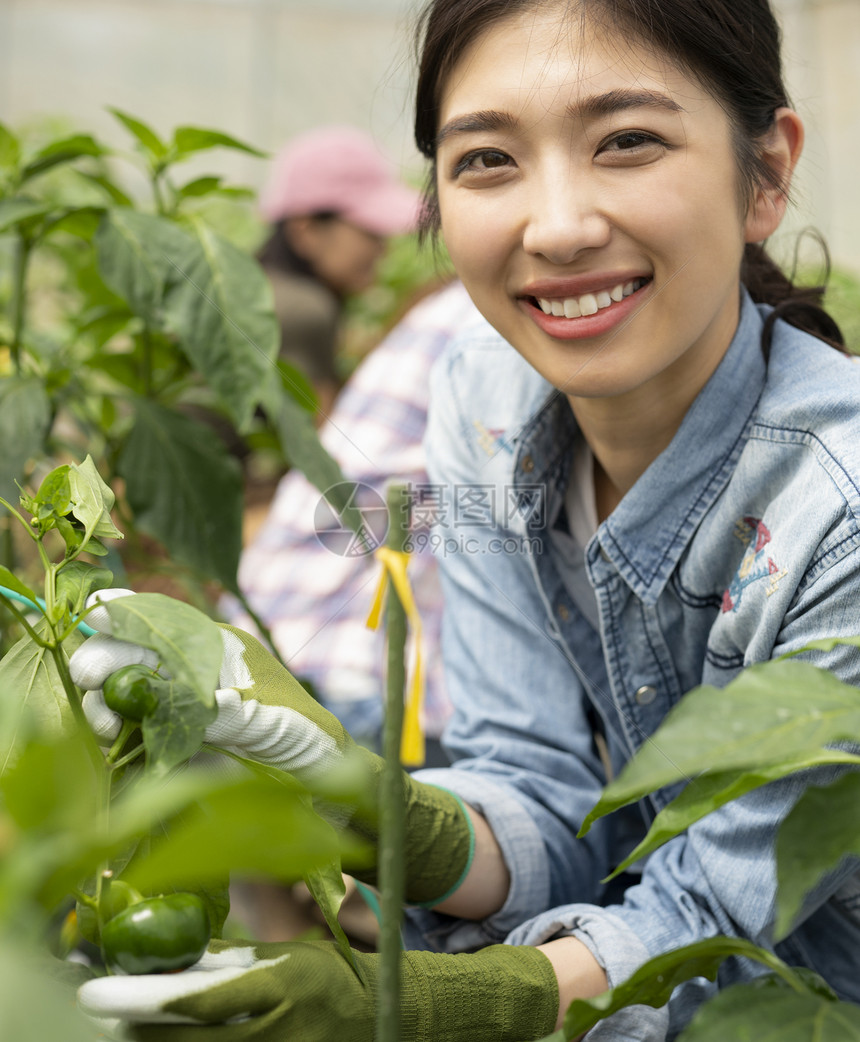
166	334
138	835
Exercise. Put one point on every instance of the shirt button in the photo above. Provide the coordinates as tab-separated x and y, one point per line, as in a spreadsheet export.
646	695
563	612
527	464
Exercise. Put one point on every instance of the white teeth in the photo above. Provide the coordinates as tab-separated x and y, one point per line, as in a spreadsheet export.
588	303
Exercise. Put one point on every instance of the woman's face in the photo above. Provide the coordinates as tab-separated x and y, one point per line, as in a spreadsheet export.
342	255
590	201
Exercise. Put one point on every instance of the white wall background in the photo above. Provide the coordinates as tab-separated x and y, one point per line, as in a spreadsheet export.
265	69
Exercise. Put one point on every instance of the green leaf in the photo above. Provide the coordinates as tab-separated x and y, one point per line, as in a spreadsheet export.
113	191
298	386
328	890
653	983
137	254
51	785
199	186
25	416
219	305
187	641
185	490
254	825
82	221
62	151
824	644
53	498
771	713
151	142
821	829
100	324
175	731
10	149
300	443
69	855
20	210
195	139
77	580
92	501
34	696
767	1010
12	582
36	1006
710	791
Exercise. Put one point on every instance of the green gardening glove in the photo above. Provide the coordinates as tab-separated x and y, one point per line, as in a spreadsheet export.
264	714
306	991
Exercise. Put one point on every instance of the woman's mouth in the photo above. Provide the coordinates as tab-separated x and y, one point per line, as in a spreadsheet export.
588	303
585	315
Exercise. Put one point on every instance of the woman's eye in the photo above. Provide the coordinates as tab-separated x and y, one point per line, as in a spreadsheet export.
632	141
482	159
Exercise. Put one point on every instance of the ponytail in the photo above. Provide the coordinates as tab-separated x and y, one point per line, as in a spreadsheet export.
800	306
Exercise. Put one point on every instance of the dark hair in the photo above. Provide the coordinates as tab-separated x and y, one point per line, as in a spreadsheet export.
731	46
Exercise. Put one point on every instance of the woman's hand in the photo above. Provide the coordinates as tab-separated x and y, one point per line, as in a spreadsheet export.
308	991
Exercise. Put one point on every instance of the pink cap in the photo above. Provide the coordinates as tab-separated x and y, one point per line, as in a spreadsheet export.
339	170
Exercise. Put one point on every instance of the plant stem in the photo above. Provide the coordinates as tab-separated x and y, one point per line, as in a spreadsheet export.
18	302
782	970
146	342
74	697
391	808
129	757
22	620
127	727
7	555
157	195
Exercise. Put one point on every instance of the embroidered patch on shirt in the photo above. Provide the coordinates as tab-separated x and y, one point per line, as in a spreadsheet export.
757	562
492	440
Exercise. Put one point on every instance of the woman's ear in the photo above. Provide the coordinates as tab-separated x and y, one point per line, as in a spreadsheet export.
780	153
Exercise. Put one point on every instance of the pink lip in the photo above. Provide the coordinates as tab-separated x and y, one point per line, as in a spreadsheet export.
562	328
560	287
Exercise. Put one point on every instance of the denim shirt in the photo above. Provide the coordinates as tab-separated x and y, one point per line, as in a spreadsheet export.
738	543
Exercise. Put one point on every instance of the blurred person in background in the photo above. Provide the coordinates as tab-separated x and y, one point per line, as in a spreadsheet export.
314	592
332	202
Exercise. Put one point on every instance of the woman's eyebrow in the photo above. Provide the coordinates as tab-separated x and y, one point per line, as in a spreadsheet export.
594	107
612	101
476	122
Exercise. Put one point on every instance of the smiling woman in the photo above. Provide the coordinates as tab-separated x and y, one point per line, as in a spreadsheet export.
608	169
668	454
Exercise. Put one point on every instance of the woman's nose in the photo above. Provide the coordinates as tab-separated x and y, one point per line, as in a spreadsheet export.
563	218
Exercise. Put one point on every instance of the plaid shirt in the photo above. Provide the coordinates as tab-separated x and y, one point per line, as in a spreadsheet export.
315	600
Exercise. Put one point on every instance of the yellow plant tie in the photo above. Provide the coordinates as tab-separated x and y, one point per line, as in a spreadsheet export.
394	564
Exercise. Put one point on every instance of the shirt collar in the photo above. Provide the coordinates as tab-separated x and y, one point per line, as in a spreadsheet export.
648	531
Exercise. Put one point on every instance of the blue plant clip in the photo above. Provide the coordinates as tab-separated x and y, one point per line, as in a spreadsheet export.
82	626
